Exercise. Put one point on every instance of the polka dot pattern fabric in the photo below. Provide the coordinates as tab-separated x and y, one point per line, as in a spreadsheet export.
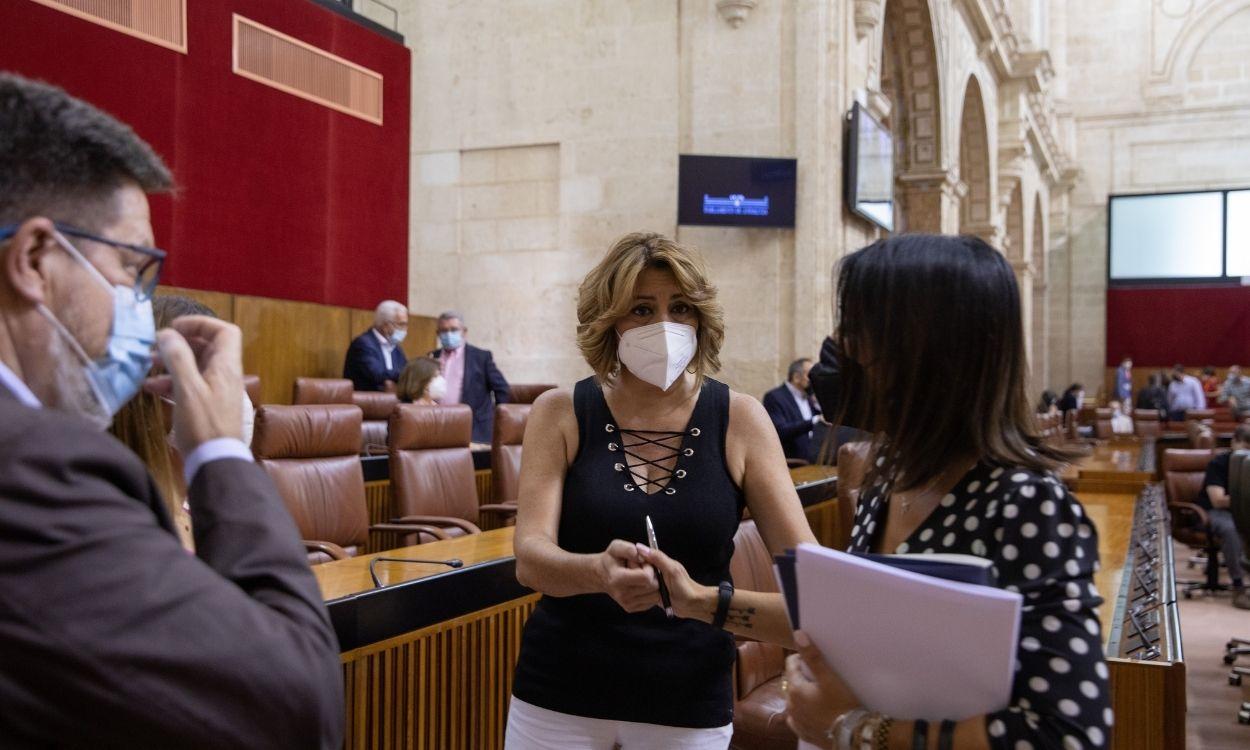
1042	546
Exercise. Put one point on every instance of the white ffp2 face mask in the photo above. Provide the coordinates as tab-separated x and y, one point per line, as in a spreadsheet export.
658	353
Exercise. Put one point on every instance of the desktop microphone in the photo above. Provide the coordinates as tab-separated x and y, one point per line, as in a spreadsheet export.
454	562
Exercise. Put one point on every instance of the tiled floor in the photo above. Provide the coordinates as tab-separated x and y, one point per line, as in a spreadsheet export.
1206	624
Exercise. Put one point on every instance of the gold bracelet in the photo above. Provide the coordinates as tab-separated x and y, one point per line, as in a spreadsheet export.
882	740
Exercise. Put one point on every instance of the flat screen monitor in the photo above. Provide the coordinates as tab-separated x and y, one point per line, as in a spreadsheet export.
869	169
1167	236
735	191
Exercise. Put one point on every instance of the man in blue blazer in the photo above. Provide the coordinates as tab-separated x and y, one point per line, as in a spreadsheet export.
795	414
375	359
471	375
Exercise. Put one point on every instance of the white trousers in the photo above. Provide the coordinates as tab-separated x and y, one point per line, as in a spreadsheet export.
534	728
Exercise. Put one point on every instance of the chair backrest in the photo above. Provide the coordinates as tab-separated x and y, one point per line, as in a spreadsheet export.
505	450
1102	423
526	393
1183	470
1146	423
431	467
1199	414
322	391
310	452
251	384
852	465
751	568
377	407
1200	434
1239	490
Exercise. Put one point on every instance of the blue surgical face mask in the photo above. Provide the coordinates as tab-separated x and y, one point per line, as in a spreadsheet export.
451	339
397	336
117	375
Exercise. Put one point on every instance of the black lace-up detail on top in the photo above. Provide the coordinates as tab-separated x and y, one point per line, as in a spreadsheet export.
672	443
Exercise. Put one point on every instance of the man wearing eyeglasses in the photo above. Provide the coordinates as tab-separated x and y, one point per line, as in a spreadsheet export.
110	634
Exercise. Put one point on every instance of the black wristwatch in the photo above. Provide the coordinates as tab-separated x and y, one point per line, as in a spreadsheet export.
723	597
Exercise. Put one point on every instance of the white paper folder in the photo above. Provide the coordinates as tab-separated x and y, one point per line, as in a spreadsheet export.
909	645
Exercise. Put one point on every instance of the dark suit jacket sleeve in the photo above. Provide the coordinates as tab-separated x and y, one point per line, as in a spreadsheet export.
111	634
366	367
495	380
783	419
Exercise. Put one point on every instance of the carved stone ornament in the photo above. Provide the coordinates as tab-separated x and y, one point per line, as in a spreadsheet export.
867	16
735	11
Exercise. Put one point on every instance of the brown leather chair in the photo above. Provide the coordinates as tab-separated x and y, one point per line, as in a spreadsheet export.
322	391
852	465
310	452
432	469
760	711
1102	423
526	393
1146	423
251	384
1201	436
1183	472
1199	414
377	407
505	450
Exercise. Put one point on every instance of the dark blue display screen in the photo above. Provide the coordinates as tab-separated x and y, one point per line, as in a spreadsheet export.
735	191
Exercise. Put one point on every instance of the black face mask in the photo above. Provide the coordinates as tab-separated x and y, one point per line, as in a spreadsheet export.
828	385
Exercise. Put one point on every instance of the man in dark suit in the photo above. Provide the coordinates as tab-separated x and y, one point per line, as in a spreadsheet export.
795	414
375	359
112	634
471	375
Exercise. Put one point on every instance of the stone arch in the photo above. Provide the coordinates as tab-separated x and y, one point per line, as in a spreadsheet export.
976	209
910	81
1171	81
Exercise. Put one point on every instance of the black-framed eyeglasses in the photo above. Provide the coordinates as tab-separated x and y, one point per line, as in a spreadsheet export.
148	274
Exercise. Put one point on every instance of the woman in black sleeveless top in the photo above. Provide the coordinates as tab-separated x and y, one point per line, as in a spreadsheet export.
650	436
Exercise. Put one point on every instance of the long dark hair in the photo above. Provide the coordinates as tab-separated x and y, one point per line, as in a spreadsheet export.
934	344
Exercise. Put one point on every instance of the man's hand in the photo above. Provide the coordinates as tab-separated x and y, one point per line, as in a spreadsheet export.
204	358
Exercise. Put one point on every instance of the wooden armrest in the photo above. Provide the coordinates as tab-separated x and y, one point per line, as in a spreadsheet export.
796	462
466	526
411	528
375	449
1191	509
503	509
330	548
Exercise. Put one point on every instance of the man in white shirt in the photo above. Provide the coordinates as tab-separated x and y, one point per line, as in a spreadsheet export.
795	413
1184	393
375	359
110	633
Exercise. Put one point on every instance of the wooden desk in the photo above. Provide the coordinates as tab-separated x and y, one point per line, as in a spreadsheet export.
1123	465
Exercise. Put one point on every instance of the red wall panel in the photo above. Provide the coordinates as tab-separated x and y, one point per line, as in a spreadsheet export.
1193	325
278	196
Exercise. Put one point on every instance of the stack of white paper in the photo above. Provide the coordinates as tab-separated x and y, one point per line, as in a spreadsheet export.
910	646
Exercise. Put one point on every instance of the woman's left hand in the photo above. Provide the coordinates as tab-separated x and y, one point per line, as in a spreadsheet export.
815	695
690	598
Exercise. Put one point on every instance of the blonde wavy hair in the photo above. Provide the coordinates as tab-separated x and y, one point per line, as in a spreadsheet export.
606	295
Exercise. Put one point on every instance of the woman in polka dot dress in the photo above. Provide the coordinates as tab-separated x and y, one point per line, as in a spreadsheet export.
929	357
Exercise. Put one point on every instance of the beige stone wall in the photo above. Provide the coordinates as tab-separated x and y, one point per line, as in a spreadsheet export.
1159	97
545	129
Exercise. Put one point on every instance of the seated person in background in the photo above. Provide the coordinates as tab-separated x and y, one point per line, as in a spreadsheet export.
421	382
472	377
1124	380
1210	386
375	358
1214	498
1153	396
795	415
110	633
1236	393
1073	398
142	425
1049	403
1121	423
1184	393
961	476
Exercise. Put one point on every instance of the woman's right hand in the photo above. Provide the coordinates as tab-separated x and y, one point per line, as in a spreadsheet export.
626	578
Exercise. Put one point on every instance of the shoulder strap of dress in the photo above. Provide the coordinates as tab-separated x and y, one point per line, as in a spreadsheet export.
587	395
715	409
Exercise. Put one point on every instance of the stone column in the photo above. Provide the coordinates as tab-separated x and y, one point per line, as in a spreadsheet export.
930	200
1024	281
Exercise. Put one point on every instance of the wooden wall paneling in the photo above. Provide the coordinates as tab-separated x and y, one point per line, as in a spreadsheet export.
283	340
221	303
